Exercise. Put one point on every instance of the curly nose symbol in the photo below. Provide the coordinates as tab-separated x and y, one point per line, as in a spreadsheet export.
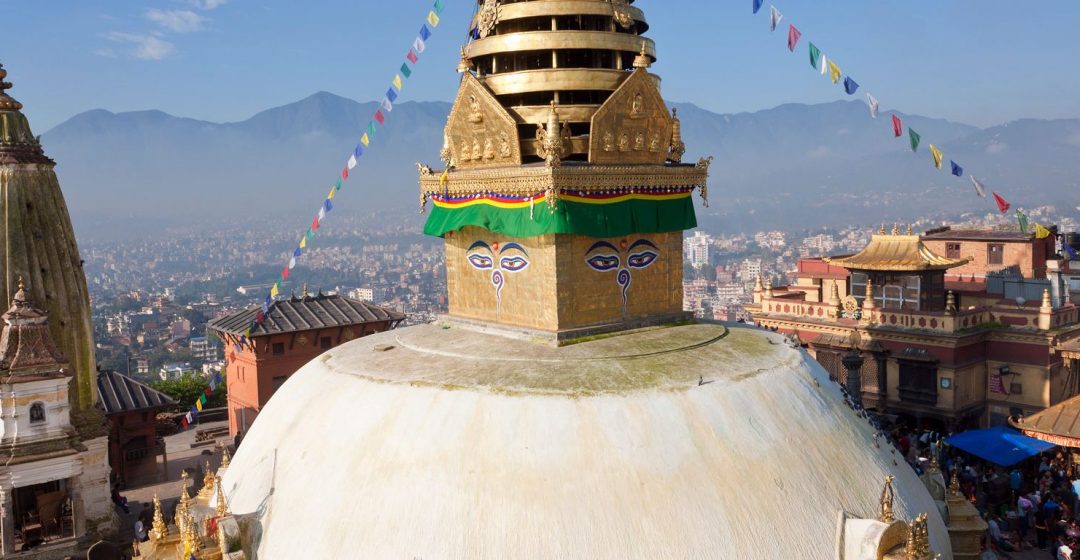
623	280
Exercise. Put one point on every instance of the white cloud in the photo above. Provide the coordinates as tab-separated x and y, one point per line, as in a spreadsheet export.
179	21
206	4
107	53
146	47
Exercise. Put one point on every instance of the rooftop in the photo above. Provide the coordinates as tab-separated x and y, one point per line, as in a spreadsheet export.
306	313
978	235
120	393
901	253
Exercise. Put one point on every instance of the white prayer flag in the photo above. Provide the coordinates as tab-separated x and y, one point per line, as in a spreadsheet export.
292	263
824	64
352	161
386	105
418	45
774	17
322	213
873	105
979	188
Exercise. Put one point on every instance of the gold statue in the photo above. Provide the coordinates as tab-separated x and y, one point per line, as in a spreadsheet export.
476	115
551	141
637	106
487	18
222	508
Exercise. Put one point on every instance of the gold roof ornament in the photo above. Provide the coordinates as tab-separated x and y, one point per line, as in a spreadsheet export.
488	18
184	502
642	60
909	229
885	514
222	508
465	65
950	303
550	141
896	253
768	288
868	302
7	103
954	483
208	482
882	231
224	458
895	229
678	147
1046	304
158	529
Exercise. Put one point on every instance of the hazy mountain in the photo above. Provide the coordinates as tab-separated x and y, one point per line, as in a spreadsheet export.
790	165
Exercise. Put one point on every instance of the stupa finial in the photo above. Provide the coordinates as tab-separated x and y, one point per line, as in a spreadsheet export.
642	60
7	103
159	529
677	147
222	508
886	514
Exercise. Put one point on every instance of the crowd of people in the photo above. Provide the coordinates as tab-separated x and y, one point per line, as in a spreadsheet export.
1032	505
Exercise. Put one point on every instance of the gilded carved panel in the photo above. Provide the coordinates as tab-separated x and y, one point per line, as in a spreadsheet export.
633	126
479	132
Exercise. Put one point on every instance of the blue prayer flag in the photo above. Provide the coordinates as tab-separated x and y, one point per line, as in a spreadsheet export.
956	169
475	33
757	5
269	300
265	309
297	252
217	377
328	205
849	85
425	33
358	151
391	95
194	411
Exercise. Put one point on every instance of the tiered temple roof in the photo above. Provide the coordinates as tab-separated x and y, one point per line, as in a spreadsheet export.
896	252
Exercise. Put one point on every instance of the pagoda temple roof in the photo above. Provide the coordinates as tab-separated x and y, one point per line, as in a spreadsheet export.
306	313
900	253
120	393
1058	424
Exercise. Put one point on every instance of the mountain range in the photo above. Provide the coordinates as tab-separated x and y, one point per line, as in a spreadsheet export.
793	165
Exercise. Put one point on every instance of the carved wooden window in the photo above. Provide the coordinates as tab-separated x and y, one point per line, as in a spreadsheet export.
918	382
952	250
37	413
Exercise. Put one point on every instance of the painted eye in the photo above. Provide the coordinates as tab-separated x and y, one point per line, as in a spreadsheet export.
641	260
603	263
480	262
513	264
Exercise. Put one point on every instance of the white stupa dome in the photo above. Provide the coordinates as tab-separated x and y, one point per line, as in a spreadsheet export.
446	443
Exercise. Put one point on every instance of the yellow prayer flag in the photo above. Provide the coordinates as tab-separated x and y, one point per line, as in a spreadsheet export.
333	191
364	139
198	404
397	82
1041	232
433	18
303	242
274	290
834	72
937	156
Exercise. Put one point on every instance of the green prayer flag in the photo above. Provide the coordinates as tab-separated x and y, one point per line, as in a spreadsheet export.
815	56
371	130
914	139
438	6
1023	219
337	185
202	398
405	70
310	234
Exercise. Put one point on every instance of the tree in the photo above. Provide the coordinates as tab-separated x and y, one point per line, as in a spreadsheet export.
186	389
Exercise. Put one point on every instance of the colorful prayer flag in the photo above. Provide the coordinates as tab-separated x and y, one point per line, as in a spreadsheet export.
344	172
956	169
1041	232
303	242
834	72
1002	204
897	126
322	213
815	56
793	36
411	56
274	291
397	82
979	188
198	403
371	130
332	192
425	33
327	205
757	5
1023	219
850	85
914	137
285	273
292	262
824	64
438	6
774	17
386	105
183	423
418	45
364	139
315	224
432	18
936	154
352	162
310	234
208	391
873	105
1069	251
217	377
391	94
405	70
379	116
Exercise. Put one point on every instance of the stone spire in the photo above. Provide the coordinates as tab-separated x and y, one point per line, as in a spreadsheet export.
26	346
37	242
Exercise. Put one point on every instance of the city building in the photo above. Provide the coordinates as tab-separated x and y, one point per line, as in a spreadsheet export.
202	349
53	432
697	249
566	393
134	446
958	339
295	331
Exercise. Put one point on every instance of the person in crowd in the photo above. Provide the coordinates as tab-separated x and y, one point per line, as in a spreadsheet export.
120	501
997	537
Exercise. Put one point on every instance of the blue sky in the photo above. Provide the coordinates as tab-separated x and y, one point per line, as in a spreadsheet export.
982	62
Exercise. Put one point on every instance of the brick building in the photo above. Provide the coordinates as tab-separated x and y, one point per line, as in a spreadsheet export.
963	328
295	331
134	446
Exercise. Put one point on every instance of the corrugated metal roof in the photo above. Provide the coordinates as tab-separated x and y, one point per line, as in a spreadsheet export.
306	313
1062	419
120	393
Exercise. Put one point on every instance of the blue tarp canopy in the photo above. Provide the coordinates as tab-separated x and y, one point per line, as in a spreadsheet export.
1001	446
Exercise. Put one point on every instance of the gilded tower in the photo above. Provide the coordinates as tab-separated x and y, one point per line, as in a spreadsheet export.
564	196
37	243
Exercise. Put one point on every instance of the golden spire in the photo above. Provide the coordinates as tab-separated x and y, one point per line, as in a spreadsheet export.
159	528
895	229
758	287
642	60
465	65
677	148
868	299
768	288
304	294
550	140
184	502
1046	305
954	483
909	229
208	482
222	508
224	458
882	232
923	533
7	103
950	303
886	503
911	551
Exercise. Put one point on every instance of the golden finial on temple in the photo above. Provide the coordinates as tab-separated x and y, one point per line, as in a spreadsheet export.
642	60
886	513
954	483
7	103
896	229
882	231
224	458
158	528
222	508
909	229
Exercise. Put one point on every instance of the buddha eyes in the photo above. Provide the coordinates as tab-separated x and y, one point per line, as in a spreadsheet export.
603	263
480	262
513	264
641	260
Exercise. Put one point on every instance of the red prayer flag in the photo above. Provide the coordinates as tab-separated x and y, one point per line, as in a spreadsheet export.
315	224
379	116
793	38
208	391
284	276
183	423
411	56
897	126
1002	204
345	172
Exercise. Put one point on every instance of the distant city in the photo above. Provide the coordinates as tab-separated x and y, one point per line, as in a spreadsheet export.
152	297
